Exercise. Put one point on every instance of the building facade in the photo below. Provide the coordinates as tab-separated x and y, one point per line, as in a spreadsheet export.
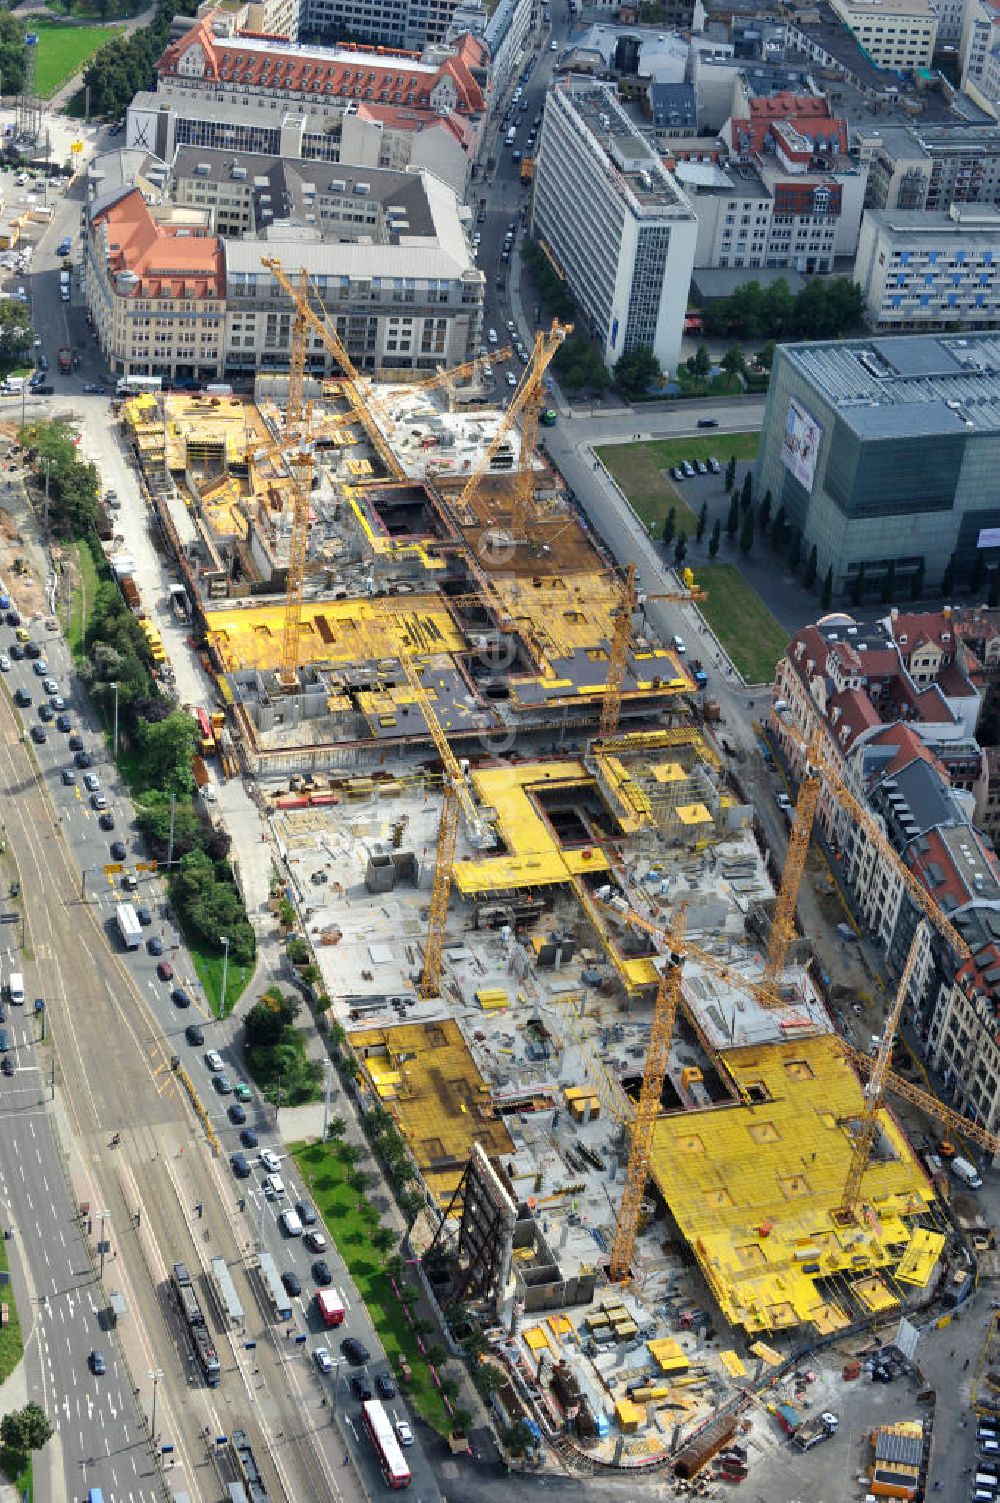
789	196
883	453
897	34
386	253
155	281
921	269
615	221
930	166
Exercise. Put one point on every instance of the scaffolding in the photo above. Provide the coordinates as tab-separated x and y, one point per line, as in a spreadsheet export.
29	106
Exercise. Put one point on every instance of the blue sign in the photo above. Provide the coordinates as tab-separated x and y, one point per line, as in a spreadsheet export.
614	333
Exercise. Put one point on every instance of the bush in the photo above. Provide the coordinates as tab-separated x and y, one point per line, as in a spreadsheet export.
208	904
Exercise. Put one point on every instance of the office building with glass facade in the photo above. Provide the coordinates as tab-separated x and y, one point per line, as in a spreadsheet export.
884	454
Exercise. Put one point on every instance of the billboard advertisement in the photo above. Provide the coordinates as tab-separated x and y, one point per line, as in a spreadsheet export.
989	537
800	445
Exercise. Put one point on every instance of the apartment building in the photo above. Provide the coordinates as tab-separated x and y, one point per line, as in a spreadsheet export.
615	220
930	166
156	287
897	34
921	269
504	31
789	196
272	18
900	712
979	35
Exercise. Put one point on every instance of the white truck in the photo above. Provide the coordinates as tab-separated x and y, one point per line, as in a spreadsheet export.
129	926
967	1173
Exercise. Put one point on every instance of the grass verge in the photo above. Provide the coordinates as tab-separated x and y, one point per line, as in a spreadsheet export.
208	967
752	637
11	1342
84	591
350	1223
63	50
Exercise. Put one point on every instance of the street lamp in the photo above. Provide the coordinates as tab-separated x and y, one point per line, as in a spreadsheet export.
156	1375
225	968
115	687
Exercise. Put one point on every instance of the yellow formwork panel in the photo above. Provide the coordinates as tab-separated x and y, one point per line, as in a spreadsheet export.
668	1355
755	1189
733	1364
536	1340
921	1257
693	814
874	1294
333	631
429	1080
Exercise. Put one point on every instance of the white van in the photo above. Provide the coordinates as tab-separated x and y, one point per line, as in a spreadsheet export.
15	988
290	1224
274	1186
511	135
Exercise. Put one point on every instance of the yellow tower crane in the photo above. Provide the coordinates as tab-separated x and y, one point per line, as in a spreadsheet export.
457	797
525	408
648	1109
868	1125
621	640
783	922
925	1102
459	372
370	412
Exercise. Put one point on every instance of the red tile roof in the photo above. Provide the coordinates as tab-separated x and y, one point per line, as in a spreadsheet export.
377	74
910	748
168	263
804	112
857	714
922	627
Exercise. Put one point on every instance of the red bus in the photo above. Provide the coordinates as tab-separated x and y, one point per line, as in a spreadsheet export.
395	1472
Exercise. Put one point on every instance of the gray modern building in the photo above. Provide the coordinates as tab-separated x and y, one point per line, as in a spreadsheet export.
885	454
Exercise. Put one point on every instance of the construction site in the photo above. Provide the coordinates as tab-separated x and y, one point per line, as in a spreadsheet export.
542	909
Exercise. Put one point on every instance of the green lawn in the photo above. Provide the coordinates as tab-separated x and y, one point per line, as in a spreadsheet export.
350	1224
742	622
209	971
640	470
63	50
85	582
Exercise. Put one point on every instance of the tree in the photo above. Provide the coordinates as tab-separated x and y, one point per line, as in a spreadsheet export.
730	473
358	1180
336	1127
486	1379
765	355
702	362
702	521
826	594
461	1421
435	1354
888	586
449	1388
580	367
746	532
764	513
733	520
795	550
713	542
917	582
383	1239
734	361
26	1429
411	1203
680	549
637	370
809	577
15	331
349	1153
779	531
746	494
267	1020
948	581
167	748
858	586
669	523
